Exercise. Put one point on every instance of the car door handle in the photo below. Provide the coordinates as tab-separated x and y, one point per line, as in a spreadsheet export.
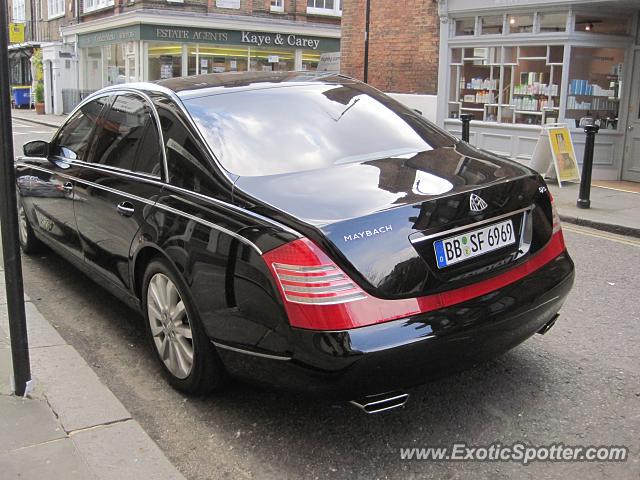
125	209
68	187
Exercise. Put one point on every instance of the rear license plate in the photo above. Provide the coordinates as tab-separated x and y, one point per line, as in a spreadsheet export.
473	244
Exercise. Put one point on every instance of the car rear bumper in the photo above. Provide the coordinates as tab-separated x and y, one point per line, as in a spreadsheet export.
403	353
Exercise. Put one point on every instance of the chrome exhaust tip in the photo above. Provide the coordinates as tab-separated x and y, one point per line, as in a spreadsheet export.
381	402
547	326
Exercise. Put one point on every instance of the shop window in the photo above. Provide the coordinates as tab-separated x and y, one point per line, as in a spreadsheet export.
268	60
325	7
506	84
465	26
520	23
595	24
55	8
310	60
165	60
552	22
217	59
91	5
492	25
594	86
277	5
114	61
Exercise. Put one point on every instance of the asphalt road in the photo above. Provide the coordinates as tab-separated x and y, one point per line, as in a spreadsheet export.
577	385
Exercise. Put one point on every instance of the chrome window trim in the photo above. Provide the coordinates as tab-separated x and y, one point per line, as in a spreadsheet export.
161	206
109	169
469	226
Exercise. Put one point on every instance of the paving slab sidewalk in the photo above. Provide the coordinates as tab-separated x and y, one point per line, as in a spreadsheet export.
71	426
611	210
31	116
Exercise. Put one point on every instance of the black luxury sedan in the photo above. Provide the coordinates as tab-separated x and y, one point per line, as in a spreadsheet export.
301	230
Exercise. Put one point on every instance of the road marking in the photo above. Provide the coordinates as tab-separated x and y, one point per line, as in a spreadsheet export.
600	234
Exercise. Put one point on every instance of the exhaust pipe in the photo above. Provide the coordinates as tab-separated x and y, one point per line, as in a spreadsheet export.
547	326
381	402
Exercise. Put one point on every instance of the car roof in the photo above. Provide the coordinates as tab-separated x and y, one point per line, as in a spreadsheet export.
212	83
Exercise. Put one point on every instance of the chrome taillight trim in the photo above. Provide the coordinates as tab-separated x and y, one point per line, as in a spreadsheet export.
327	300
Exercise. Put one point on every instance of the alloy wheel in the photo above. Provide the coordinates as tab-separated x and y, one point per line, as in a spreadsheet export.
170	326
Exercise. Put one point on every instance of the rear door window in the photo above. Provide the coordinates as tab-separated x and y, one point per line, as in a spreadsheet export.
128	138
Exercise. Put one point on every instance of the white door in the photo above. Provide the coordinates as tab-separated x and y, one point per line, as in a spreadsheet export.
631	162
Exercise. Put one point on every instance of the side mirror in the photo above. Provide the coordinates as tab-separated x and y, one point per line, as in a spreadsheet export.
36	148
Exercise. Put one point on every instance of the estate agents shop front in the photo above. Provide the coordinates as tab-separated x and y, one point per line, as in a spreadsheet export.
147	52
519	68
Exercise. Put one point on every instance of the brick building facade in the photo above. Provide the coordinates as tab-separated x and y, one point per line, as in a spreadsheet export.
403	44
118	41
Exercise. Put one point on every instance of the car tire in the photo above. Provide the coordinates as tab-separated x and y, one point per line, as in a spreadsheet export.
191	365
29	243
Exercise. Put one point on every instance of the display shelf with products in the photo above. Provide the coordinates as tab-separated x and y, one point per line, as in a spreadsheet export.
594	88
526	79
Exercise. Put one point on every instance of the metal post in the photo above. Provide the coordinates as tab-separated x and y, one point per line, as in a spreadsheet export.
9	223
587	167
466	120
367	22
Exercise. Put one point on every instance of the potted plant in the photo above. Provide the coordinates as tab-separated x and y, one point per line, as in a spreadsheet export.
39	93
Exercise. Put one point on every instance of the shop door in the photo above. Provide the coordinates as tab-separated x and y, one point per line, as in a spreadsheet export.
631	165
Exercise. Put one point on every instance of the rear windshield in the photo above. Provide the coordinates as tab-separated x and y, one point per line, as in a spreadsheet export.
304	127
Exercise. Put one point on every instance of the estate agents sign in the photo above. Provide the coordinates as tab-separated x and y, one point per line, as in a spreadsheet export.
200	35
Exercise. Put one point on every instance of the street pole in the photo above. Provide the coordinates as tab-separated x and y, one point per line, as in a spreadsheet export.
367	22
9	224
587	167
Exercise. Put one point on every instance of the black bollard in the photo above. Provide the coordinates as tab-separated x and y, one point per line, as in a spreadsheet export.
587	167
466	120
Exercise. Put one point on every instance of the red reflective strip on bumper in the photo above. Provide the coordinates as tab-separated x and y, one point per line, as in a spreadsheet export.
373	310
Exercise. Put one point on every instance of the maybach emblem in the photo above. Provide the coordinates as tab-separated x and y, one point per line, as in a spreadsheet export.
476	204
367	233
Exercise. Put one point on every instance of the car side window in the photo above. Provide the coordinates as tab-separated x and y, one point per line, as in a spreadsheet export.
74	139
188	167
128	138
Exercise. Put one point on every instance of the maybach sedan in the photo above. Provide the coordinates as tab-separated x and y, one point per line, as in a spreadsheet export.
300	230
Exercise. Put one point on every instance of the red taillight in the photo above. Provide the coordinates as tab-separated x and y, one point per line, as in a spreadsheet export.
318	295
307	276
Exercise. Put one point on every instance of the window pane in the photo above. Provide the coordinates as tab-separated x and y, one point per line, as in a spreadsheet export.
553	22
188	167
594	86
466	26
492	25
223	58
602	25
149	156
165	60
121	132
520	23
337	124
74	138
269	60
